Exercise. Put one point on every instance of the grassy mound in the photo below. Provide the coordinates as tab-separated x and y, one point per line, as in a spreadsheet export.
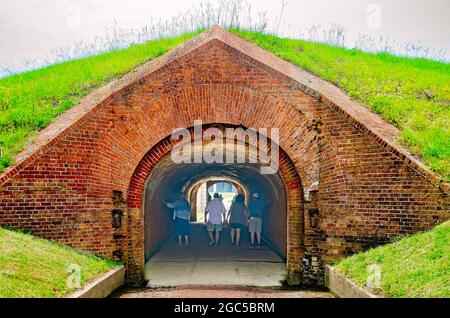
34	267
416	266
30	101
413	94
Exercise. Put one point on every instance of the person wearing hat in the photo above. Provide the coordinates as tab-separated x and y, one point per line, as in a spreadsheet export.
256	209
181	216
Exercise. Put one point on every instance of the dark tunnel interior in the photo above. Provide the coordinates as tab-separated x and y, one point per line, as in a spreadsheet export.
168	180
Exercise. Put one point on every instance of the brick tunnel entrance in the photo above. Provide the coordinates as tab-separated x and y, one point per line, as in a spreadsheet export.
348	185
168	264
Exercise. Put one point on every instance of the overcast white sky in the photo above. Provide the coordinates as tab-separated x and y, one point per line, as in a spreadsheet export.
31	28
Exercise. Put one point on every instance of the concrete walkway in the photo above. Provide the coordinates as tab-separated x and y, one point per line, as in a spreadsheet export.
200	264
217	292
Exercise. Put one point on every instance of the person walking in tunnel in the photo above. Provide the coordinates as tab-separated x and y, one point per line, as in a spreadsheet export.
215	218
181	216
256	209
237	217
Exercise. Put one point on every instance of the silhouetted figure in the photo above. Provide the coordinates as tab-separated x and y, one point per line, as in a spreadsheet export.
181	216
215	218
256	209
237	217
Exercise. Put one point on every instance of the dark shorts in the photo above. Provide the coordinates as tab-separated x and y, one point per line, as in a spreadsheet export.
182	227
237	225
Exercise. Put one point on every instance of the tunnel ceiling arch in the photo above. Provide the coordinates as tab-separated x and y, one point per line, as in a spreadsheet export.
187	174
168	179
350	186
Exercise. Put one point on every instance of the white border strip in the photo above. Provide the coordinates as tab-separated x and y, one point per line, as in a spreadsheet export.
103	286
343	287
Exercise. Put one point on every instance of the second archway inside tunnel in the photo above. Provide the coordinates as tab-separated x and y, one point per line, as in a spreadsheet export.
200	194
169	264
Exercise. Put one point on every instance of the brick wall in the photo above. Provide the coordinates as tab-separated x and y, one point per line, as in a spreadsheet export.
366	189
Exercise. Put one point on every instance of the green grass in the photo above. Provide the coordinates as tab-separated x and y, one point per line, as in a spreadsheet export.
30	101
34	267
415	266
412	94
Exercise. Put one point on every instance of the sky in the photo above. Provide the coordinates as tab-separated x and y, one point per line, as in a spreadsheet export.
31	29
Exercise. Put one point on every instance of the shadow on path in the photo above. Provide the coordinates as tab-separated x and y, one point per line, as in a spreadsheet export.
226	264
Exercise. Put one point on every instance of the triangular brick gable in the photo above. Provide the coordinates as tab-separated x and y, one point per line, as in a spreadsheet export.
330	95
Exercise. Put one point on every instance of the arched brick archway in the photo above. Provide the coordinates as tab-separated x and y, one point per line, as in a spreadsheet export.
294	206
239	106
360	188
